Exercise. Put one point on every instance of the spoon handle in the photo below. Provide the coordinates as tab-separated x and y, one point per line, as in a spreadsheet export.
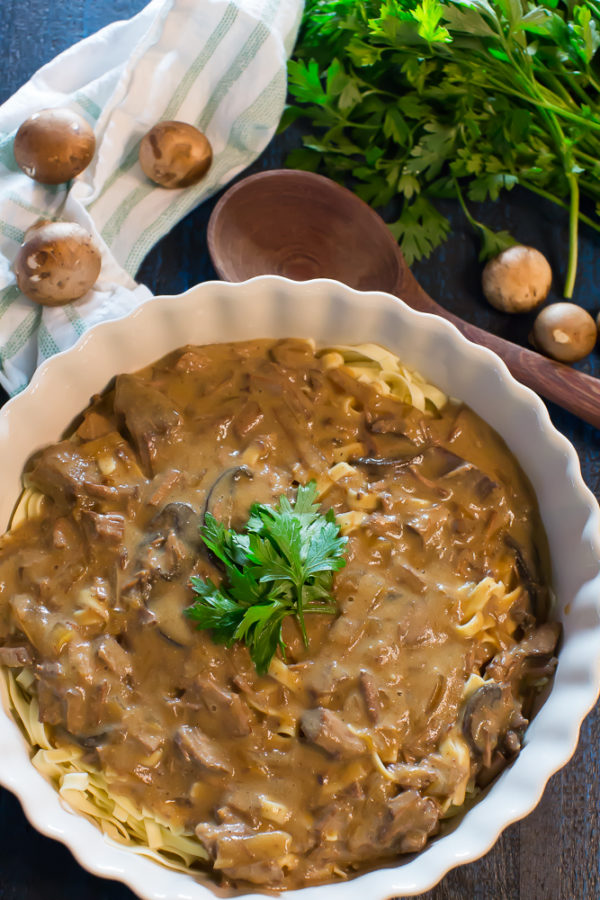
573	390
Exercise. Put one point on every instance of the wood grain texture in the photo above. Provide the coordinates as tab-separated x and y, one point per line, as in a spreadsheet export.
572	390
554	854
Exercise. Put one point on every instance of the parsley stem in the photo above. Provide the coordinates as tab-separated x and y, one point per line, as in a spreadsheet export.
372	89
471	219
564	148
573	236
544	104
589	186
592	160
502	93
300	612
575	86
595	84
548	196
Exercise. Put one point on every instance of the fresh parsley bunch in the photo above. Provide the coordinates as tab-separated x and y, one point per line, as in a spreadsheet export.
425	99
281	565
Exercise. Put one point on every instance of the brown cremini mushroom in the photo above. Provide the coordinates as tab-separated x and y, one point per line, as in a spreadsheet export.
564	331
517	280
54	145
491	714
175	154
57	263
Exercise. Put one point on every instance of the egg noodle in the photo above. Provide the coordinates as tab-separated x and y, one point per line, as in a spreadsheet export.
483	614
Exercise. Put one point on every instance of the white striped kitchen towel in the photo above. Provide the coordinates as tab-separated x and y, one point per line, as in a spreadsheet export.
219	64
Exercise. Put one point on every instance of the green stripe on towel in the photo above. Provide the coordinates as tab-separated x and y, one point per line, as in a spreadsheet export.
229	17
22	333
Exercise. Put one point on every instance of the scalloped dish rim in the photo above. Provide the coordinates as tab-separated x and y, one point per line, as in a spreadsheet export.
209	312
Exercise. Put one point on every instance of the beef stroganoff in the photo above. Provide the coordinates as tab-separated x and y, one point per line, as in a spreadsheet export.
358	743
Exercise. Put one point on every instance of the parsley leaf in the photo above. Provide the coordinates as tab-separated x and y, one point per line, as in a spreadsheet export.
281	565
420	229
477	95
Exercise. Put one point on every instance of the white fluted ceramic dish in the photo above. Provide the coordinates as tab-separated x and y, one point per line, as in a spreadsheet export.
330	312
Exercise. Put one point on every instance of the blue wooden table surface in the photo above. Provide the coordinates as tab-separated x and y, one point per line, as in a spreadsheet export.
554	854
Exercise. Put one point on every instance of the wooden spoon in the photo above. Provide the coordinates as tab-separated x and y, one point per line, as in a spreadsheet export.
302	225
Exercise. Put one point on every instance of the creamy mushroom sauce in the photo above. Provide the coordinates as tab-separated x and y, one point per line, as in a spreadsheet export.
349	752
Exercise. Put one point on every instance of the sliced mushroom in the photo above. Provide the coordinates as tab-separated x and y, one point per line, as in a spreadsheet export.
167	553
174	537
531	659
530	583
221	498
375	464
490	715
180	518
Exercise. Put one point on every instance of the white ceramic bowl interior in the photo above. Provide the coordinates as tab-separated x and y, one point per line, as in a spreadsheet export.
332	313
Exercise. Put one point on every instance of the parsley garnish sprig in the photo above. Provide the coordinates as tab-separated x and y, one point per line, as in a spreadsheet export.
421	99
281	564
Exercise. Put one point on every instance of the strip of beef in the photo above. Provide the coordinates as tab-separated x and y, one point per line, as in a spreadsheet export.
356	609
231	714
60	471
370	695
247	419
84	711
162	485
108	527
80	656
195	746
323	679
246	856
15	657
148	733
116	658
410	819
50	705
325	729
151	418
94	425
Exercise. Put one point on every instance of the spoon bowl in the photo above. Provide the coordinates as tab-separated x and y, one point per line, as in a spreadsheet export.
302	226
